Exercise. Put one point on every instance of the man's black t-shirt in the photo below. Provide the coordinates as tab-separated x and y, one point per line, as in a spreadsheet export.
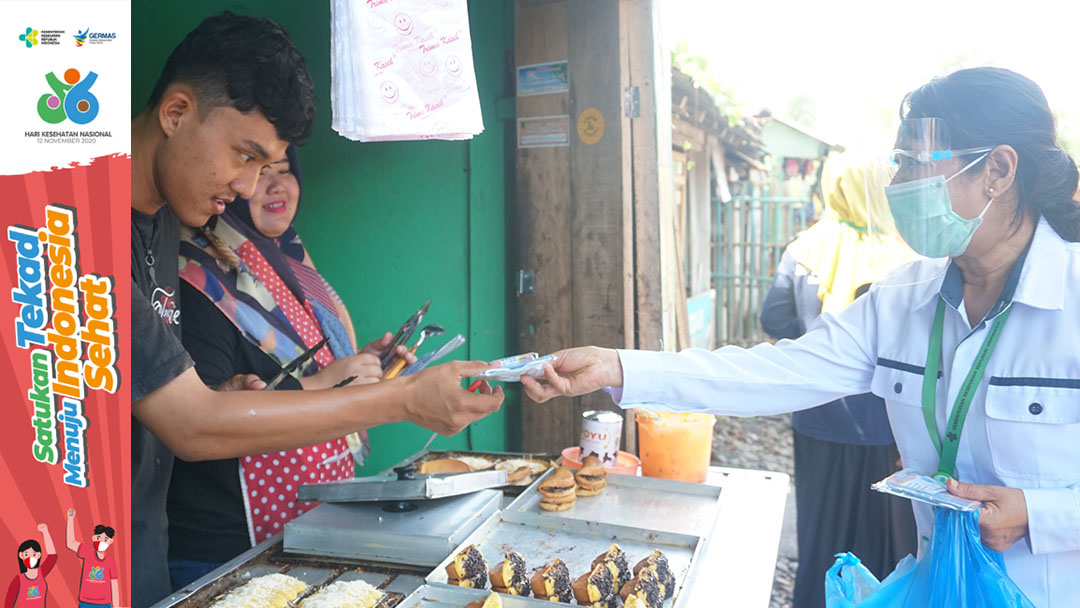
157	357
207	521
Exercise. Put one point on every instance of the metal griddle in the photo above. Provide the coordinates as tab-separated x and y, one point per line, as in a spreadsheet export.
422	536
268	558
407	487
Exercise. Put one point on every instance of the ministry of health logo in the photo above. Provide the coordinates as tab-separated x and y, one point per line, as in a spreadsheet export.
70	99
30	37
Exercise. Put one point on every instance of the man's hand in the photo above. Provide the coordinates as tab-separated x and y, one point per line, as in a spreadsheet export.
43	528
576	371
436	401
241	382
71	513
1003	517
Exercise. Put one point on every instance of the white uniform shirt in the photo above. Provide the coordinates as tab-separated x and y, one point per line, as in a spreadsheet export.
1023	427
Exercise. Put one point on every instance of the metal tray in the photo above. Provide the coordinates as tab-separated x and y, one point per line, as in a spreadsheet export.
638	502
379	489
542	539
268	558
366	531
446	596
425	455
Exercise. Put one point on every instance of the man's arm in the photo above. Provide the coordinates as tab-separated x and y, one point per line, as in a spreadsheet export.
197	423
71	542
115	593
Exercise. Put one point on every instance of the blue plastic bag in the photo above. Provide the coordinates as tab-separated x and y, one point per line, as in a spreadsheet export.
956	571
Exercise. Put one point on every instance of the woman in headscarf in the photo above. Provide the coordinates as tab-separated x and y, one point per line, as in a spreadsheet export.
253	302
973	347
844	446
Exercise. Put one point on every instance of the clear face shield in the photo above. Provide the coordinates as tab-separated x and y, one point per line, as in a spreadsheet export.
922	144
918	194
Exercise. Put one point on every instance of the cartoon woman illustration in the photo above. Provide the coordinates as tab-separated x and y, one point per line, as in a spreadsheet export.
29	588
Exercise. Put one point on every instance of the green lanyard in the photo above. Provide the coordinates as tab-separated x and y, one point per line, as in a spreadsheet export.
947	452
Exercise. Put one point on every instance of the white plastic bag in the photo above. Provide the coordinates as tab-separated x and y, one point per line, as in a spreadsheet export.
403	70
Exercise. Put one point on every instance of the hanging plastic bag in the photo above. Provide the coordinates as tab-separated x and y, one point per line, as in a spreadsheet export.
957	571
402	70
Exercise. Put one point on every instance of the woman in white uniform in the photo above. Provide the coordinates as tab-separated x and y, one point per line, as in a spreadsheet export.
976	351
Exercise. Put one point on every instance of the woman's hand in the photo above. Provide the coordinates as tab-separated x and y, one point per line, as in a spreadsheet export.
43	528
364	368
576	371
375	347
241	382
1003	517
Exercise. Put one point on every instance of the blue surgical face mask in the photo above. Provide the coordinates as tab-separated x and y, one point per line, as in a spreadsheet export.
925	218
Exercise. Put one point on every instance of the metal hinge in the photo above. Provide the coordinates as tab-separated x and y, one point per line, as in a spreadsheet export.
525	282
632	102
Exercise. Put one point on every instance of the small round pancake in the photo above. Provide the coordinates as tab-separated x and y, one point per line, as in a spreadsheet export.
549	506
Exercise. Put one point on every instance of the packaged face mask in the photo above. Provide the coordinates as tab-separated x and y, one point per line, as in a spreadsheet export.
913	486
512	371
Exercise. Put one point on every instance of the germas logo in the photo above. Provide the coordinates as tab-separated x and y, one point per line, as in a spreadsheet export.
70	98
88	37
30	37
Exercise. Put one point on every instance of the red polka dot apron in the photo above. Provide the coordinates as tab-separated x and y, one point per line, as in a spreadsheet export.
270	482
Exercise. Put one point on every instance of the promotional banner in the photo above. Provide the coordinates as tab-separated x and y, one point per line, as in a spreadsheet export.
65	175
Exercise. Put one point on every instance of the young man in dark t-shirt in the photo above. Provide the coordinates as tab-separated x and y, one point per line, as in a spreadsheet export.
231	97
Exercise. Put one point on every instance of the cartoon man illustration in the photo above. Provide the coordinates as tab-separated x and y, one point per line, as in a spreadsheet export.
98	585
28	588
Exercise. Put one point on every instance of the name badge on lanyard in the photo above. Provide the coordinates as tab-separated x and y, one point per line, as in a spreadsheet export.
947	447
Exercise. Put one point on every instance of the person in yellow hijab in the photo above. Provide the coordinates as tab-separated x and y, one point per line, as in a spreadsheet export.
844	446
855	242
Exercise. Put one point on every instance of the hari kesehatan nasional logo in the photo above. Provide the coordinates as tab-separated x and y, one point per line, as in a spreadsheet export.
70	99
30	37
80	38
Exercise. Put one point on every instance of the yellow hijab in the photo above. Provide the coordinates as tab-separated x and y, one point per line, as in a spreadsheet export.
855	242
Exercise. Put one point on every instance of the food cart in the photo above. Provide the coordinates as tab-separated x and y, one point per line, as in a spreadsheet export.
398	534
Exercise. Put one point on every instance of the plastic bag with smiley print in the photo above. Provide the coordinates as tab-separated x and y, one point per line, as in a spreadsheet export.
403	70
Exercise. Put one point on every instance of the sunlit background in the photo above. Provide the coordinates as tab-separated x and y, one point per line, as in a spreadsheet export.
841	67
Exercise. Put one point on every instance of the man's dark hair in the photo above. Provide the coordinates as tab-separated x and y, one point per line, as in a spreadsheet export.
106	530
248	63
27	544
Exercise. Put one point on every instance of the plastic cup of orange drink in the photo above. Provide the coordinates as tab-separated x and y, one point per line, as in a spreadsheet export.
675	446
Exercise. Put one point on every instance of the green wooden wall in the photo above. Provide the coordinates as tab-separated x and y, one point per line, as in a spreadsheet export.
391	225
